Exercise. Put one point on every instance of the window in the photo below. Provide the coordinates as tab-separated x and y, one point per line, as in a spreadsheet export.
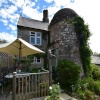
35	38
36	60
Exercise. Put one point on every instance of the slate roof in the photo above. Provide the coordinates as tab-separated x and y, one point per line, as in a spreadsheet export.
95	59
31	23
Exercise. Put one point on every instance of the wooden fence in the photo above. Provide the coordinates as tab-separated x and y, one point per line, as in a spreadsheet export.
29	86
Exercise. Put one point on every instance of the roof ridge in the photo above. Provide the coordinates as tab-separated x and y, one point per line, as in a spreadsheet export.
31	19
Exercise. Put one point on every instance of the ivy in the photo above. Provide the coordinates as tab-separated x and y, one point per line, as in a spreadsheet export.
83	35
37	55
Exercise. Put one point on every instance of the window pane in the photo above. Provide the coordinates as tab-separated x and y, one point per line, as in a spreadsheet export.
38	34
38	59
32	40
38	41
32	34
33	61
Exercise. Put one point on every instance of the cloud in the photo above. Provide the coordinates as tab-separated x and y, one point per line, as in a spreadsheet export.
4	14
17	3
32	13
14	18
48	1
11	9
5	22
21	3
9	13
5	36
61	3
2	1
12	27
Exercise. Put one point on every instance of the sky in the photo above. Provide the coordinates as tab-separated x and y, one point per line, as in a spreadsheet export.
10	10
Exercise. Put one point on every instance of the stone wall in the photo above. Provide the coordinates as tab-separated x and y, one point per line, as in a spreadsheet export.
69	44
24	33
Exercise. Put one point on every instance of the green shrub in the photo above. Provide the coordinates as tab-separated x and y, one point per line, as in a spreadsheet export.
68	74
92	85
87	80
95	87
88	95
34	70
54	92
95	72
80	94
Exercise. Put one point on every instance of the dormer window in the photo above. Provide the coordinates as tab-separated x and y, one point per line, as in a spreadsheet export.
35	38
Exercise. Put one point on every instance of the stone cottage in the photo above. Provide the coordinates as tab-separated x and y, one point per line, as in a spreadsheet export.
36	33
59	35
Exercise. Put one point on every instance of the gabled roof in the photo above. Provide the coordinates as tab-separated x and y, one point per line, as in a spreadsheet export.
95	59
31	23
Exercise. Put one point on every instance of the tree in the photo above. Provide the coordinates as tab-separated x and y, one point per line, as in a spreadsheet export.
2	41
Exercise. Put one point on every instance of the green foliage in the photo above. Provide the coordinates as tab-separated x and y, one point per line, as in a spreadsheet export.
48	98
54	92
34	70
36	55
68	74
95	72
87	88
90	84
80	94
88	95
95	87
83	35
2	41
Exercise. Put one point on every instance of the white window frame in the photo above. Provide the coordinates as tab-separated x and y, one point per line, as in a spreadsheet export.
35	60
36	37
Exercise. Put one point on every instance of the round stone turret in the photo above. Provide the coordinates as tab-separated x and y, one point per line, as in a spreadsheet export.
63	30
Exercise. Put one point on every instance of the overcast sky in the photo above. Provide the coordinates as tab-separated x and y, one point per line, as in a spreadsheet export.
10	11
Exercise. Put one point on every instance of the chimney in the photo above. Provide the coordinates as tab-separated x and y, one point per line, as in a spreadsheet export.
45	16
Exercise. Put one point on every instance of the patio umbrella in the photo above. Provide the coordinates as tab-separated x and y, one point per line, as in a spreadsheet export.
20	48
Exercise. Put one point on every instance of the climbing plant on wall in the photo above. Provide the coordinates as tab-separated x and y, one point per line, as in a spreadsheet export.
83	35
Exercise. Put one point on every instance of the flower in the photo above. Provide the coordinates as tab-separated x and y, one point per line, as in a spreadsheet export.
50	88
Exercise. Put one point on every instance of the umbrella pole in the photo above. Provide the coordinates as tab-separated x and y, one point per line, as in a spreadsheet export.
19	56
